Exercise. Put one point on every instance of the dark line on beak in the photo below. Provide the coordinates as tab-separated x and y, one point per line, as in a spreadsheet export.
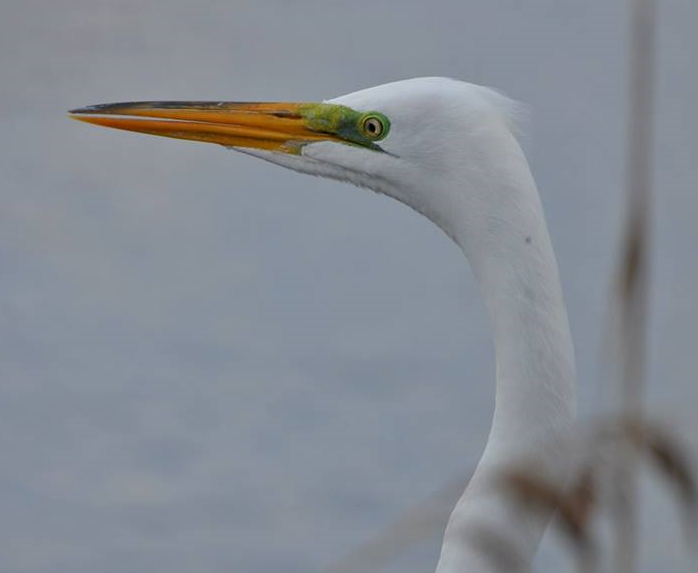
118	107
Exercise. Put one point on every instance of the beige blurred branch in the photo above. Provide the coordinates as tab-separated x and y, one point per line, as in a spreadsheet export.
420	522
633	276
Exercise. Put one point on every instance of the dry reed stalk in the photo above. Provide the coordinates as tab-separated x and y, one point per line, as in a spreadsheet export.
633	276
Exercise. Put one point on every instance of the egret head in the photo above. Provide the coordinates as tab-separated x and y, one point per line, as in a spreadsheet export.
401	139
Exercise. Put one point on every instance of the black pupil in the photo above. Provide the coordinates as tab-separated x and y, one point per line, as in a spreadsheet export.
372	126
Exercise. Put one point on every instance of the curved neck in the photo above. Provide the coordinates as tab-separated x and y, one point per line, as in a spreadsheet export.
509	250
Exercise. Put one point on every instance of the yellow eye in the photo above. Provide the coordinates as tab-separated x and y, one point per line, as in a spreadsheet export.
372	126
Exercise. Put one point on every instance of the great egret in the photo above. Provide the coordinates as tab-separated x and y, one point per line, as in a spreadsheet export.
447	149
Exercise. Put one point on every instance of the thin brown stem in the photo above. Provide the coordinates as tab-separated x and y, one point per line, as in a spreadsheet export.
633	280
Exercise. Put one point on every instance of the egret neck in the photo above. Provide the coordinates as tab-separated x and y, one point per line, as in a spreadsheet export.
509	250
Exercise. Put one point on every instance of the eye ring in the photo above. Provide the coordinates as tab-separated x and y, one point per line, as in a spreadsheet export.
373	127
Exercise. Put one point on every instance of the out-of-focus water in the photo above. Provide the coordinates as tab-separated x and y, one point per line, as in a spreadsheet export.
210	364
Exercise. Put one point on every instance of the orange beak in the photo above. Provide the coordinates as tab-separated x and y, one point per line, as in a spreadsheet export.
279	127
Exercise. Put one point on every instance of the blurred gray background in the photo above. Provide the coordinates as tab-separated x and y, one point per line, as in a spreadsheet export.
211	364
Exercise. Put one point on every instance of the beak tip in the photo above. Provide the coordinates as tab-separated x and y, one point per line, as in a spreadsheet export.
76	115
86	109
